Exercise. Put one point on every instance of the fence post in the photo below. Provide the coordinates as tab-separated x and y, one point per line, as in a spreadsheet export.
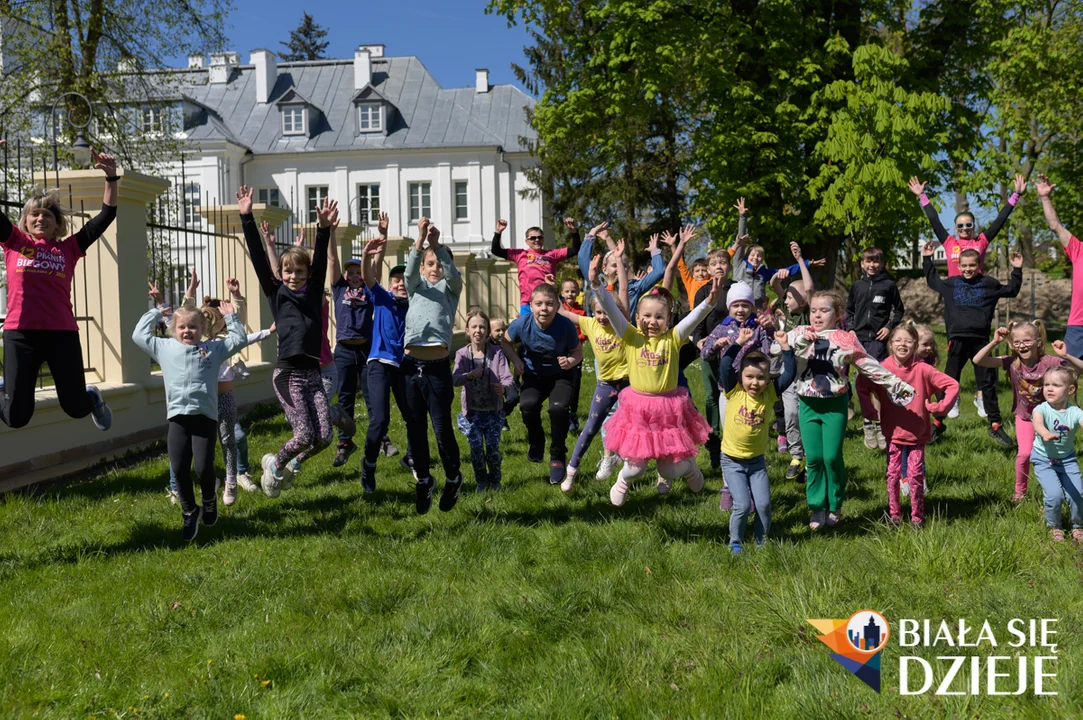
464	262
479	284
111	287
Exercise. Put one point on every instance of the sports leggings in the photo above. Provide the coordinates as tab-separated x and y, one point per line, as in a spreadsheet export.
192	437
605	396
302	397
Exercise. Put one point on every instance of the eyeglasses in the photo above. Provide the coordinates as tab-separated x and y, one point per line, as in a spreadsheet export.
535	237
964	226
1022	343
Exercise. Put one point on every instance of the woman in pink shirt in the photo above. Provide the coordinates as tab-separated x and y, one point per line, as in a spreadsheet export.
1073	338
535	262
40	258
969	238
907	427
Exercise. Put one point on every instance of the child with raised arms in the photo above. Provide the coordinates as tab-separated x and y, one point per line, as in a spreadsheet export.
751	395
656	419
791	310
1055	422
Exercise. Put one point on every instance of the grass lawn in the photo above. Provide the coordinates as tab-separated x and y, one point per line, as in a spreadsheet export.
329	603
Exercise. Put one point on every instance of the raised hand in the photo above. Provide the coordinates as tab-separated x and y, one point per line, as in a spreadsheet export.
687	233
780	275
928	249
226	308
244	200
1043	186
600	227
722	342
783	340
105	162
592	271
550	278
570	224
299	241
745	335
639	274
265	231
234	287
422	227
3	142
742	239
795	250
916	186
383	224
1000	334
817	263
501	225
1017	260
741	207
1060	348
433	236
193	284
374	246
154	292
716	291
653	244
669	238
1020	184
328	213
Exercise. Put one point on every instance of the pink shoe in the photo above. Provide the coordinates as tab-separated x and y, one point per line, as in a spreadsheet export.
1077	535
1056	535
725	500
618	492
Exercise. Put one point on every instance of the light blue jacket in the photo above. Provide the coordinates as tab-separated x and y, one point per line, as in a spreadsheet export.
190	371
431	316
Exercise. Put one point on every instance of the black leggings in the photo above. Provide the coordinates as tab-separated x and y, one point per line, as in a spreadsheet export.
961	350
383	381
558	390
24	352
429	391
192	437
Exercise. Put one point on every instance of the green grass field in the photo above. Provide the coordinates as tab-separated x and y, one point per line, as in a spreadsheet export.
329	603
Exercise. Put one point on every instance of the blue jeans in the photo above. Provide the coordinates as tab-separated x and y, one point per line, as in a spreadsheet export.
1073	338
1059	480
351	364
482	429
242	456
747	479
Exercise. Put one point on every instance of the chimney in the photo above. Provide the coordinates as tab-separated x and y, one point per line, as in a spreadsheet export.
222	66
266	73
362	67
195	62
482	80
374	50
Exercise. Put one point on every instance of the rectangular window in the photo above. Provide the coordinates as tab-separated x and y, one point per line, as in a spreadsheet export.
293	120
270	196
369	117
191	205
316	195
368	203
150	119
420	202
462	205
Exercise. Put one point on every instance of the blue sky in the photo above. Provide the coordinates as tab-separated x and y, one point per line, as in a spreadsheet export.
451	37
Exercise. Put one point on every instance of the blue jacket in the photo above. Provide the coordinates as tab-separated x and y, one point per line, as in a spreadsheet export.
636	288
190	371
388	326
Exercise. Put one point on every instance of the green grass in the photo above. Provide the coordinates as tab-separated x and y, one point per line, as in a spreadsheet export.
328	603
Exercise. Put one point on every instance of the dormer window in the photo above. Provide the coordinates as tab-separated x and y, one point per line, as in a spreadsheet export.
294	120
370	117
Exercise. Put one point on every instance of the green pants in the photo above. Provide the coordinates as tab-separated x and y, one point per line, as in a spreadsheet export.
710	389
823	426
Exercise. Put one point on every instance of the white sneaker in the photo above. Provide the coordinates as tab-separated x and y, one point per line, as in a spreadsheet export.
664	485
618	492
833	519
954	412
816	520
271	479
694	478
229	495
244	482
174	498
607	466
290	473
904	487
980	406
569	479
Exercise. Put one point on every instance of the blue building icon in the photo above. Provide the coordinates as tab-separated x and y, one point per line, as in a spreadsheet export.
869	639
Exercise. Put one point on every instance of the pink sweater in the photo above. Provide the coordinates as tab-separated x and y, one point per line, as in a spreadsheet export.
909	425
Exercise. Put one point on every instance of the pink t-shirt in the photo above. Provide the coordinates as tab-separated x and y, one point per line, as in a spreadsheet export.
1075	253
953	246
326	356
1027	382
909	425
39	276
533	267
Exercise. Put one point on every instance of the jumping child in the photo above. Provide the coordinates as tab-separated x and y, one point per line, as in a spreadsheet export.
1055	422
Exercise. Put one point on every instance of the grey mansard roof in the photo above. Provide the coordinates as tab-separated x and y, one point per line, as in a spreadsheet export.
424	115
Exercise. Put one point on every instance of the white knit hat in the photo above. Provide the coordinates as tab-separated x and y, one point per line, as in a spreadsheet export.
738	292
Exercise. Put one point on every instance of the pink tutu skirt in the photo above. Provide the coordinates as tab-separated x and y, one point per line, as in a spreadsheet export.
663	426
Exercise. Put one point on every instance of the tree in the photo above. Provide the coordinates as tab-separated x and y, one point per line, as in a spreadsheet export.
306	42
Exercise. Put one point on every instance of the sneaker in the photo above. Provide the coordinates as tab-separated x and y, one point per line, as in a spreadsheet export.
1001	436
954	412
343	451
450	495
556	472
210	512
423	501
904	487
506	426
368	476
980	406
607	466
387	448
408	462
244	482
816	520
1056	535
1077	535
271	480
618	492
735	548
664	485
783	444
191	524
694	478
101	414
1019	497
290	473
534	456
343	421
483	488
870	435
569	479
725	500
881	441
833	519
795	469
174	498
229	495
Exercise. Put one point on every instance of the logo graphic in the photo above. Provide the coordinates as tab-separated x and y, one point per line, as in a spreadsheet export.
856	643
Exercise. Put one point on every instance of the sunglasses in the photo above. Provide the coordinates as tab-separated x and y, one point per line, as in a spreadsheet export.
964	226
535	237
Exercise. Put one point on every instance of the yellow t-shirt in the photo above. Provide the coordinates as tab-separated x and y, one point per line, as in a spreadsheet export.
744	436
652	362
608	349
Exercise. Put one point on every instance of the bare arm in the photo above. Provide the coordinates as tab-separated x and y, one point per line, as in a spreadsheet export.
984	357
334	264
1045	193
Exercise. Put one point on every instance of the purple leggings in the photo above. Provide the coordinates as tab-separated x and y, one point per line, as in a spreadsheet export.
605	396
305	403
